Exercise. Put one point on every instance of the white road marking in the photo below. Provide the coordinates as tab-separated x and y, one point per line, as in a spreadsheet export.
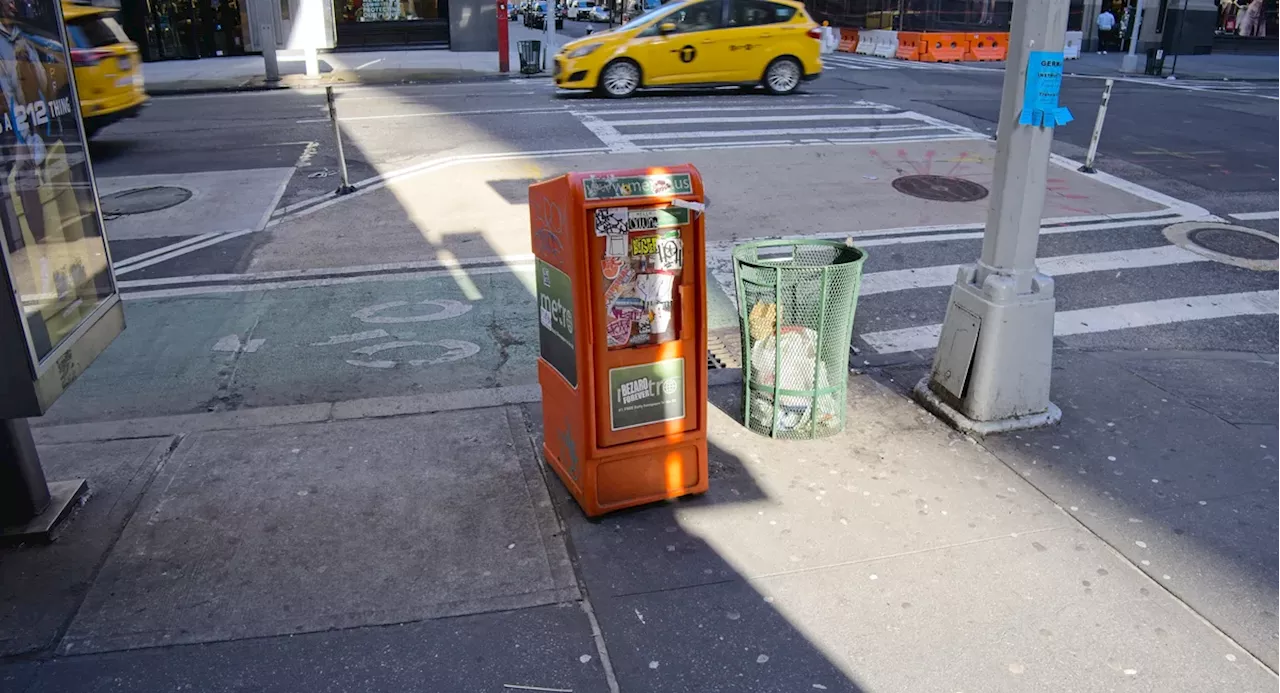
945	275
385	268
763	119
371	62
437	114
162	250
607	134
1104	318
456	350
231	343
191	248
830	141
694	107
706	134
448	309
355	337
1254	216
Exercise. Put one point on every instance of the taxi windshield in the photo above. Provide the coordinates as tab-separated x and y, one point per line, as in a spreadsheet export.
648	15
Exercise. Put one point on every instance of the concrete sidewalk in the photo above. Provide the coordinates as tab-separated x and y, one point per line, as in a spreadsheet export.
417	543
247	72
1213	66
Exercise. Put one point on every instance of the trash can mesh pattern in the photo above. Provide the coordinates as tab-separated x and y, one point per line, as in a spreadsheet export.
530	57
796	301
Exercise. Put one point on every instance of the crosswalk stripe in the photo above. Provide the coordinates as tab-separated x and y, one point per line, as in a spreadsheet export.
1104	318
945	275
764	119
707	134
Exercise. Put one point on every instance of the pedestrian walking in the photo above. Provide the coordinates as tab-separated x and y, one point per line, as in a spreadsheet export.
1106	30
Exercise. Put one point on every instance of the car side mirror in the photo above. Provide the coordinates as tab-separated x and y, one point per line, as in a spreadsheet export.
666	28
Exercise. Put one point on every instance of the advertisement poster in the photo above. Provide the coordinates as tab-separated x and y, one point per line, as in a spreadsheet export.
57	253
555	321
646	394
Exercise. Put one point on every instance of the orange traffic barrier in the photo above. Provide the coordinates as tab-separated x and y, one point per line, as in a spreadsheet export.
848	40
989	46
943	48
910	45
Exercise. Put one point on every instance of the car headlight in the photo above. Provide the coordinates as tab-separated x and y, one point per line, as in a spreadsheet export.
585	50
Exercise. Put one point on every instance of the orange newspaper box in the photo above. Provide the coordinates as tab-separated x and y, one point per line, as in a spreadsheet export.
621	286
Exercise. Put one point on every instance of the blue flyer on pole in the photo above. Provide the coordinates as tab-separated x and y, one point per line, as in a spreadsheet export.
1040	95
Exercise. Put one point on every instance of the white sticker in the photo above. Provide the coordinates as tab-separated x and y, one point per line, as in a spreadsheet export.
545	314
611	220
615	245
669	255
655	288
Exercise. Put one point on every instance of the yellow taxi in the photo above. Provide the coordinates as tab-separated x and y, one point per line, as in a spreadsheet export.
107	64
772	43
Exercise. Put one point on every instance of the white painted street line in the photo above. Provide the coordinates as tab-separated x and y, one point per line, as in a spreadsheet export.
762	119
437	114
1254	216
184	250
385	268
607	134
313	283
750	144
1062	265
371	62
231	343
694	108
1104	318
773	132
161	250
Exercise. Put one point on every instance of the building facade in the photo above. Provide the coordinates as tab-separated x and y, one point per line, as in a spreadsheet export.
187	29
1183	26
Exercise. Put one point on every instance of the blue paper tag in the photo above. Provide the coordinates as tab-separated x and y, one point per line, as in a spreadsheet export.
1040	95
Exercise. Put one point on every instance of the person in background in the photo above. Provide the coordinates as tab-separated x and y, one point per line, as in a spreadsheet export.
1106	29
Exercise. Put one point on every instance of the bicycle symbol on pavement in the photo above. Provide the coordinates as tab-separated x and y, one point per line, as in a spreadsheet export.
390	313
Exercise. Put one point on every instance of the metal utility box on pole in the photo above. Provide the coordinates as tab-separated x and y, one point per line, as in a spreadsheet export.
991	371
59	304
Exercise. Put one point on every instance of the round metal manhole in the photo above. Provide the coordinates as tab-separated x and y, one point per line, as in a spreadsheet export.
1232	245
940	188
140	200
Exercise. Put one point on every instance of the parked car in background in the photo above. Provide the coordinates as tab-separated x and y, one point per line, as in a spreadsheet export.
599	13
107	64
580	10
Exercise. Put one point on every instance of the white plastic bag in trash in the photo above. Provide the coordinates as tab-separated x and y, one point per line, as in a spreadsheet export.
798	347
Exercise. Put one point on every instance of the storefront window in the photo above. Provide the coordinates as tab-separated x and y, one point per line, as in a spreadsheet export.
1248	18
387	10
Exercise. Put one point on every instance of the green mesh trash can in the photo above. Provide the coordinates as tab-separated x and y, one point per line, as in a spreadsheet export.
530	57
795	303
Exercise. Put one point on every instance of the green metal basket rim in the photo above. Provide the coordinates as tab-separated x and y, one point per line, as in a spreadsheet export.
776	243
817	392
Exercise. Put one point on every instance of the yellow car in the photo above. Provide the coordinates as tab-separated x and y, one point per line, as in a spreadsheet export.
107	64
772	43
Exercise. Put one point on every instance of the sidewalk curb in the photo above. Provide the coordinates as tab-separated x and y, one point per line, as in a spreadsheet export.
322	412
453	77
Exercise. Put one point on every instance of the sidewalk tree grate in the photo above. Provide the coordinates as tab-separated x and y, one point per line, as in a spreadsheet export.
940	188
141	200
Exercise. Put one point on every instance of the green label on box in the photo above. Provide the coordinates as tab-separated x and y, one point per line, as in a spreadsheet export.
611	187
555	321
646	394
654	219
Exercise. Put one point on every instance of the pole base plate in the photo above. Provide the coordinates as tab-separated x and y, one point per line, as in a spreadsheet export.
931	401
65	496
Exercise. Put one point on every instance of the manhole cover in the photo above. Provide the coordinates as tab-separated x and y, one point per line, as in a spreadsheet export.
139	200
1242	245
1232	245
940	188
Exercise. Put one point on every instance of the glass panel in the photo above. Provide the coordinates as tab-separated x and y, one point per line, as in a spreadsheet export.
52	231
386	10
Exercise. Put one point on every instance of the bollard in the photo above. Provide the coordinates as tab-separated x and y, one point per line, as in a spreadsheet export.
1097	129
269	53
346	186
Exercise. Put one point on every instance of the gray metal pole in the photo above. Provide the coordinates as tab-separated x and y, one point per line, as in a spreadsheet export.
346	186
267	33
1177	41
1129	65
24	493
995	352
1097	129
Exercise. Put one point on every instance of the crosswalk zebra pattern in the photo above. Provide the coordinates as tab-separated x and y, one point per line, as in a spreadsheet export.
851	61
733	122
1115	281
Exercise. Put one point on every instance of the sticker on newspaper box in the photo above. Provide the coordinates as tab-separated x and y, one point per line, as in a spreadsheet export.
654	219
611	220
614	187
658	252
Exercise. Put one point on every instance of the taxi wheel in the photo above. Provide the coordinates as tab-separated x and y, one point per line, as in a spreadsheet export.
782	76
620	79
